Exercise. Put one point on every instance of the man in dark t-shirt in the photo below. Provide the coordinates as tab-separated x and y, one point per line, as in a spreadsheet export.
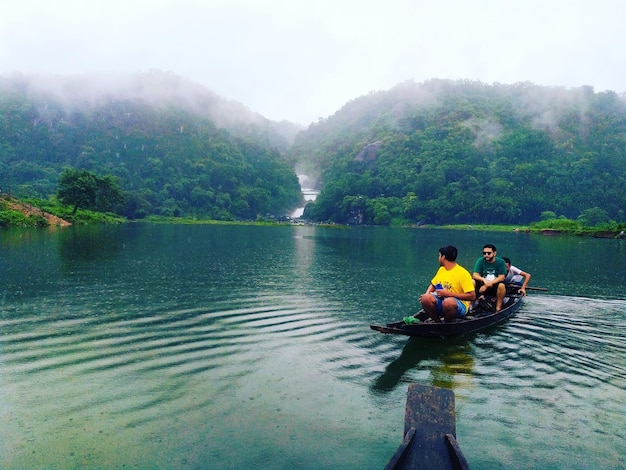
489	273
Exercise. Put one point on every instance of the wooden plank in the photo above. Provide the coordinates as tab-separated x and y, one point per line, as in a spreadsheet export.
429	432
430	410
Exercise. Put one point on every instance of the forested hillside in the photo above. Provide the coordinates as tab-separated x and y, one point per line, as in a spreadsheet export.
436	152
158	136
467	152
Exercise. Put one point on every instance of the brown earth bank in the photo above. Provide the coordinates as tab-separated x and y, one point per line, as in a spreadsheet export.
607	234
28	210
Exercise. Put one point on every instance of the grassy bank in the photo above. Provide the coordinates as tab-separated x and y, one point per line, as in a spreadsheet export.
44	213
552	227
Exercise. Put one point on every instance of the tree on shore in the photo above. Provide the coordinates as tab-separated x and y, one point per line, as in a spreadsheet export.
81	188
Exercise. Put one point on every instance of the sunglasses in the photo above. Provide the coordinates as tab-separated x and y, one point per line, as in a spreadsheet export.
487	252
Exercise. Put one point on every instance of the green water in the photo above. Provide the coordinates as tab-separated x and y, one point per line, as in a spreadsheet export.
241	347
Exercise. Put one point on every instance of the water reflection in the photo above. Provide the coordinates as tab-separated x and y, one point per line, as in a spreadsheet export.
91	243
449	362
455	370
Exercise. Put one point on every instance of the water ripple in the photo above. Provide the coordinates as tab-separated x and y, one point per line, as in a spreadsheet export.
179	342
151	365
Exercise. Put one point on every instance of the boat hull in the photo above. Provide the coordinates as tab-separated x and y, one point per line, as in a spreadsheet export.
478	321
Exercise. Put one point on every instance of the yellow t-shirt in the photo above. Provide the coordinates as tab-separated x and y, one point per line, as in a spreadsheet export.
457	280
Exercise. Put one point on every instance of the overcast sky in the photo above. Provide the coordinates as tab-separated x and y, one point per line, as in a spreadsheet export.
301	60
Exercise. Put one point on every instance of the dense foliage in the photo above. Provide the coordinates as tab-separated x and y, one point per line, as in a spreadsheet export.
168	160
440	152
82	188
467	152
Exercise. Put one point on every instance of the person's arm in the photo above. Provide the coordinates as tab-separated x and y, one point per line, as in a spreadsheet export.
522	290
469	296
466	285
495	280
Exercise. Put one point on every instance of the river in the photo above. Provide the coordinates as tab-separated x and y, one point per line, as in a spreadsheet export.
248	347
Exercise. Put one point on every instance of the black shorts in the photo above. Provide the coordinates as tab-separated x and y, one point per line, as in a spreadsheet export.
491	291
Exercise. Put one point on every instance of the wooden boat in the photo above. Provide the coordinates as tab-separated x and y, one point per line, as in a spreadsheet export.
429	432
482	316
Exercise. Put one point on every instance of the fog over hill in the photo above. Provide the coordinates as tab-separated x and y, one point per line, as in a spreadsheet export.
159	89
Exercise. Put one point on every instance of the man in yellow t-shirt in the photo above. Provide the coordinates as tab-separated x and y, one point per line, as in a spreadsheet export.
451	289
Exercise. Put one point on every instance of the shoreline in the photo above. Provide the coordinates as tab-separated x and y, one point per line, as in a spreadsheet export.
32	217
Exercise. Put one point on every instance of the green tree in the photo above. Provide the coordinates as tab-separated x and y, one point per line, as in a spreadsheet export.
77	188
109	194
84	189
593	216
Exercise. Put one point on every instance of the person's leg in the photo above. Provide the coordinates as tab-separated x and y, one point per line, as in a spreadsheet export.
453	308
500	293
480	288
429	304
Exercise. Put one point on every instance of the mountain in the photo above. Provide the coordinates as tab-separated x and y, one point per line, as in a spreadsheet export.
440	151
161	90
447	151
176	148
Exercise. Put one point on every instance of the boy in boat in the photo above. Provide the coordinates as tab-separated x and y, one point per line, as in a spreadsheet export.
450	291
489	273
514	276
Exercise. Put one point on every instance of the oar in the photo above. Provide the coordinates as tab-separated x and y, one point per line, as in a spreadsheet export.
542	289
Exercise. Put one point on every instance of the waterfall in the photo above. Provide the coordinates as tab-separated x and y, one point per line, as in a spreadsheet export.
309	194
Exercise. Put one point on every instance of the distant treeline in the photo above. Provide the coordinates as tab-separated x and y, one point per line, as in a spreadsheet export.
466	152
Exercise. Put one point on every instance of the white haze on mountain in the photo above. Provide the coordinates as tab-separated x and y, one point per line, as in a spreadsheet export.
160	89
301	60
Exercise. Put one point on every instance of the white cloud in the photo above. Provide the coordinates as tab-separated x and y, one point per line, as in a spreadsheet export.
301	60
